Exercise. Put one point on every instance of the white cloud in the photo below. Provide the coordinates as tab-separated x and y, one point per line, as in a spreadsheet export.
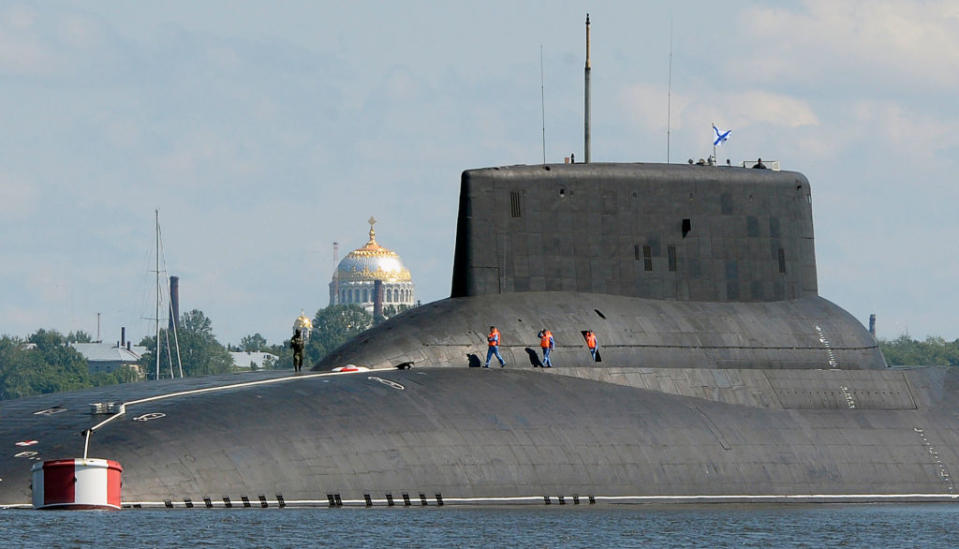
890	122
902	43
646	104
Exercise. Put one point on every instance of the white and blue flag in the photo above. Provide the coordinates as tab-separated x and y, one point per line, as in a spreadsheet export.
721	137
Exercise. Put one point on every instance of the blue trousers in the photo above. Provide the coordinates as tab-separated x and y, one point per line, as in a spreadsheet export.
494	350
546	362
593	352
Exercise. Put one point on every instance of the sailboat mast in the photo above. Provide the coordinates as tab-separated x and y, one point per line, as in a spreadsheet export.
157	316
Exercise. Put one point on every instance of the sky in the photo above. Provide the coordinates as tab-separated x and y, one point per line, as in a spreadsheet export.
263	132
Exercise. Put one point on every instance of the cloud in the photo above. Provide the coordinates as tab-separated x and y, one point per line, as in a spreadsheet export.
890	122
898	43
646	105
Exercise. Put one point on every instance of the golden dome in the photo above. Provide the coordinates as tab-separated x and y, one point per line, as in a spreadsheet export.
303	321
372	262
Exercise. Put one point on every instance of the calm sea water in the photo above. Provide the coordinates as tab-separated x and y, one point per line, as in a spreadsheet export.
554	526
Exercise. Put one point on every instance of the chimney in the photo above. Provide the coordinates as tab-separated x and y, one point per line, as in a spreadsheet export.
377	299
174	302
123	336
335	286
128	346
872	324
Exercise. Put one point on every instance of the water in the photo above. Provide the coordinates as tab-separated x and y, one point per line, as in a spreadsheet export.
817	526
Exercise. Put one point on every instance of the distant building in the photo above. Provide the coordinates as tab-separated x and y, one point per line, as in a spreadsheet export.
109	357
363	270
255	360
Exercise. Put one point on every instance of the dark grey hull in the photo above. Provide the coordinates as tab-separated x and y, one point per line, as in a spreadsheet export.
512	436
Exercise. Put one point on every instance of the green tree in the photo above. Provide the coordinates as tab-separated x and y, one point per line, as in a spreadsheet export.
934	351
253	343
200	352
79	336
45	363
332	327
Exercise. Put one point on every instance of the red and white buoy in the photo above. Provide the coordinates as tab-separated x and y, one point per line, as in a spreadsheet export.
77	483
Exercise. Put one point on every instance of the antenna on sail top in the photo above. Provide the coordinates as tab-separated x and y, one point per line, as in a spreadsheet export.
542	99
669	87
587	106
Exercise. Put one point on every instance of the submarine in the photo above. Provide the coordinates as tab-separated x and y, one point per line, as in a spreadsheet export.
724	377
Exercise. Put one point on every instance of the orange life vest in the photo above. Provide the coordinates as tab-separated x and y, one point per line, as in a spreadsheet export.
544	338
493	338
591	340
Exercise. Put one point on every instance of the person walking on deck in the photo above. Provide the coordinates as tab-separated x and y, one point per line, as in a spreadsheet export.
546	343
493	340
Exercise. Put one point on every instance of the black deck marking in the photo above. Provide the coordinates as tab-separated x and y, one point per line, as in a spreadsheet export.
592	500
168	504
331	499
575	500
263	502
389	499
246	501
339	500
406	500
227	502
188	502
369	501
562	500
208	502
423	500
439	499
280	500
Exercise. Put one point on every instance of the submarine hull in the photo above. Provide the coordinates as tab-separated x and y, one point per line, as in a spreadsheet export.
512	436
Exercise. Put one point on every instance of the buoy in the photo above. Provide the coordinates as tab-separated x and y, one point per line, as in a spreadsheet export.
77	484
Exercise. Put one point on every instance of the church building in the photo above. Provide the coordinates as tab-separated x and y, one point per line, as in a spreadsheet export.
368	271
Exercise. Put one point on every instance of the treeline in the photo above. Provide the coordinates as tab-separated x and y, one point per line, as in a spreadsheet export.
933	351
46	363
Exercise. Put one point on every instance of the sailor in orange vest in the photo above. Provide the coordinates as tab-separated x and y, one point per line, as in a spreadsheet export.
546	343
592	343
493	340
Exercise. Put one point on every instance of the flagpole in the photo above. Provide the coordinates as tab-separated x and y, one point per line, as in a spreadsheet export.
714	145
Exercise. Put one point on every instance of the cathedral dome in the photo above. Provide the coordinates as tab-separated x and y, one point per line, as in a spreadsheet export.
367	271
372	262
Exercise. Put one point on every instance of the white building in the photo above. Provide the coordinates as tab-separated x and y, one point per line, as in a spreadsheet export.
365	269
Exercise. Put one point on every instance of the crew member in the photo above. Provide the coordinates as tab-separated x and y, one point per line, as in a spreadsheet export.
493	340
297	343
759	165
546	343
592	343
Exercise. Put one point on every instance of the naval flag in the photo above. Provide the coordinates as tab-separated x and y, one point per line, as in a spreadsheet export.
721	137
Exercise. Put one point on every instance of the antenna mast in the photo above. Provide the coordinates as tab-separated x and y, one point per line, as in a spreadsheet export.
669	88
542	99
586	132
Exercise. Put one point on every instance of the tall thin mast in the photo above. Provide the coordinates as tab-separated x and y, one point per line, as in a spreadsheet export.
157	316
669	88
586	138
542	99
